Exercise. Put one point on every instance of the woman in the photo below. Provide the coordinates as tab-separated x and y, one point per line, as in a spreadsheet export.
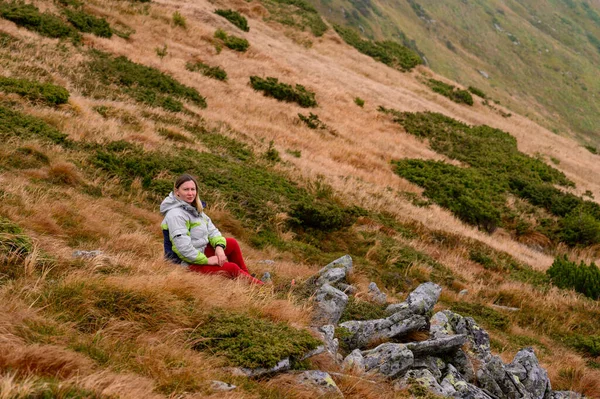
191	239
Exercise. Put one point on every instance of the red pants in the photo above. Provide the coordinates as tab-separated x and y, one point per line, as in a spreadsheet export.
234	267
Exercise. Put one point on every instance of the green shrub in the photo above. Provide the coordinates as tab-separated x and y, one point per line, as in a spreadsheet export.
390	53
211	72
589	345
145	84
477	92
591	149
16	124
297	13
179	20
312	121
457	95
35	91
30	17
233	42
583	278
85	22
235	18
284	92
251	342
272	155
359	101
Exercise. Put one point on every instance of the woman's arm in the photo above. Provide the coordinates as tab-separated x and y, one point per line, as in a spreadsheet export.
181	240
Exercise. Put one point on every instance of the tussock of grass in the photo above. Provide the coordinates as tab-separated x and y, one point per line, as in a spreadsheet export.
25	127
250	342
35	91
233	42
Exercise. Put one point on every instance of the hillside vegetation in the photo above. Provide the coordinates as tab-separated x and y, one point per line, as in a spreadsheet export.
538	58
104	103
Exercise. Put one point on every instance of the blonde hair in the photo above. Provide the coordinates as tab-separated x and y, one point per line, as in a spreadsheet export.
184	178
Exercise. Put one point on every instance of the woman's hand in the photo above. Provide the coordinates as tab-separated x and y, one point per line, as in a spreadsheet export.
220	254
213	261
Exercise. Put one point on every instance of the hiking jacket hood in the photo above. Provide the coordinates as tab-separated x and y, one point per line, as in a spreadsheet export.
188	231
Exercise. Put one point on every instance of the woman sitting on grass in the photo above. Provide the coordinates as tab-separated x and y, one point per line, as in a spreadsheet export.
191	239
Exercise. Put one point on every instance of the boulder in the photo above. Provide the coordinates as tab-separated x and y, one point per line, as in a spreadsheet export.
455	385
344	262
389	359
354	362
565	395
437	346
327	333
493	377
420	301
361	333
375	294
331	276
329	305
447	323
321	382
434	365
526	368
221	386
283	365
422	377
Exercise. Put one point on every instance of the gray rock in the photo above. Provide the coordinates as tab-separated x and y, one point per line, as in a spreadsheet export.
283	365
375	294
463	292
422	377
389	359
362	333
437	346
221	386
318	350
87	254
455	385
526	367
329	305
447	323
484	74
345	262
331	343
423	298
464	365
331	276
434	365
493	377
321	382
398	307
354	362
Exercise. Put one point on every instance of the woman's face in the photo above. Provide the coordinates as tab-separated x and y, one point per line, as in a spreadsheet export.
186	192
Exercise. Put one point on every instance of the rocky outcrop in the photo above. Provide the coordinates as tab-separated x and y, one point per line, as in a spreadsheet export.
329	305
321	382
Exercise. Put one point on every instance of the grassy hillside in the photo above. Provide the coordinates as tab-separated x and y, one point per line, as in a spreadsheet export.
540	59
282	123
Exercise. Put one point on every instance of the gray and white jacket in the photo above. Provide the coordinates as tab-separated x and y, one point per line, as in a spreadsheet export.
189	231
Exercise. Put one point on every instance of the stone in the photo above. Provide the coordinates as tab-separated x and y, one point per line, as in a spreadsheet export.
375	294
321	382
318	350
361	333
447	323
565	395
389	359
87	254
328	335
283	365
484	74
422	377
493	377
423	298
331	276
345	262
346	288
526	367
434	365
329	305
437	346
398	307
221	386
455	385
354	362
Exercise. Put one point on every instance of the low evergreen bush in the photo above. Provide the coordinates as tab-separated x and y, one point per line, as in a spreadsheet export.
457	95
233	42
271	87
312	121
143	83
215	72
30	17
389	52
179	20
297	13
583	278
235	18
359	101
85	22
26	127
251	342
477	92
35	91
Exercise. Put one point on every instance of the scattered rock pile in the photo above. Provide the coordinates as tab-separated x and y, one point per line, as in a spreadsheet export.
454	361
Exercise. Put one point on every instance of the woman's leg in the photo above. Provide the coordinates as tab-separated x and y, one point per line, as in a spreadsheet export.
234	254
